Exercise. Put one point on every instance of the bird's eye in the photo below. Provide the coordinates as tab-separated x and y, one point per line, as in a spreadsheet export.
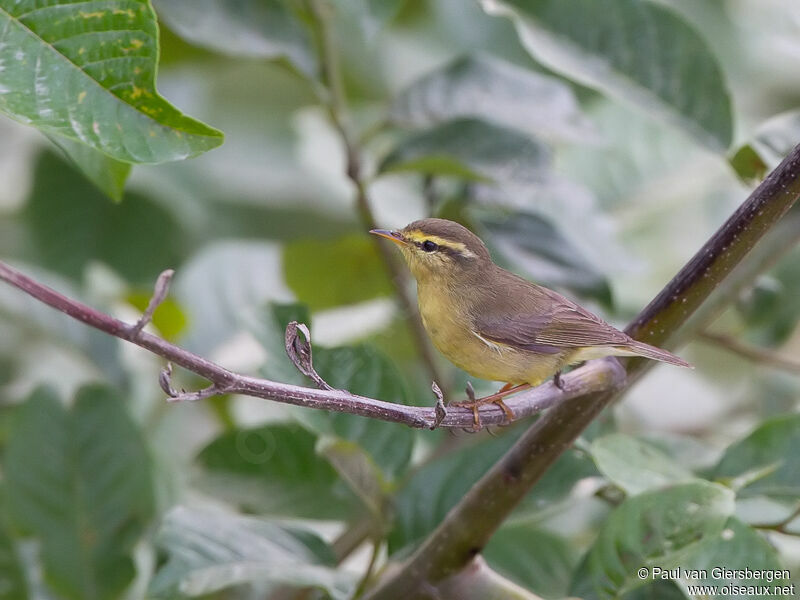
429	246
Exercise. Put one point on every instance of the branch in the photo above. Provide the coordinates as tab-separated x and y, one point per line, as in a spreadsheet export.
594	376
764	356
336	107
468	526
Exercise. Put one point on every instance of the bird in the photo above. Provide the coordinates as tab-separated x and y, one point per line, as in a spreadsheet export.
494	324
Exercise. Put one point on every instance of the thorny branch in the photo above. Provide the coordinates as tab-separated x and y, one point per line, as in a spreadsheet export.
593	377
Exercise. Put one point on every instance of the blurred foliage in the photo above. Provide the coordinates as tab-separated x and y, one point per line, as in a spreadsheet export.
593	146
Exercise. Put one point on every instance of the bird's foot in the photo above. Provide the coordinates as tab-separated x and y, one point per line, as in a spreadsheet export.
497	398
558	382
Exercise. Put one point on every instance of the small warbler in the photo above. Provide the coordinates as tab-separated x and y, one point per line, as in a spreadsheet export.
495	325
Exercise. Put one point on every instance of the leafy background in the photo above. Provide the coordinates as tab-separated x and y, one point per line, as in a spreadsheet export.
593	145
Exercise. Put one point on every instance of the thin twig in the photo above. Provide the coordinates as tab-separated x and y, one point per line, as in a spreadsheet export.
160	291
592	377
336	106
764	356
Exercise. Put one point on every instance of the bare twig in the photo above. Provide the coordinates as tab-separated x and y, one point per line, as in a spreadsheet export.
591	378
160	291
336	106
757	354
453	546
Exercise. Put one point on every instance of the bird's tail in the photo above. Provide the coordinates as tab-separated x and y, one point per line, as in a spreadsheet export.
648	351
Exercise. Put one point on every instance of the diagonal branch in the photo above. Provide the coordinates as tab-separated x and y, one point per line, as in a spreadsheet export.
593	377
468	526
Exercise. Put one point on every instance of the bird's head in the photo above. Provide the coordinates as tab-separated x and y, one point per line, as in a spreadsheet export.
438	248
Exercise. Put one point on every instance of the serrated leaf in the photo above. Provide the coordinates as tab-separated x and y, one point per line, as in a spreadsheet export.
213	550
496	91
365	371
107	174
474	150
326	274
274	470
72	224
80	482
772	446
537	249
247	28
86	71
536	559
635	51
654	529
635	465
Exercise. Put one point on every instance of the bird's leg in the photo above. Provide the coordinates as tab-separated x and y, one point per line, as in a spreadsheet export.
557	381
496	398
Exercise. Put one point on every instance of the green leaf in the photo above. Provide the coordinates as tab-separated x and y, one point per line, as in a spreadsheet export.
169	318
13	585
496	91
534	558
772	444
80	482
635	465
771	311
748	164
474	150
371	15
107	174
269	328
213	550
737	547
274	470
248	28
86	71
365	371
771	142
220	300
434	489
358	469
326	274
37	320
654	529
539	250
636	51
72	224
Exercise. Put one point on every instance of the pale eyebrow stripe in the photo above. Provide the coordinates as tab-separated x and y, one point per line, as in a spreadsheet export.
418	237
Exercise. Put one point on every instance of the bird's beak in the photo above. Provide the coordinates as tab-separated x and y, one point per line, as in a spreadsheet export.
395	236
